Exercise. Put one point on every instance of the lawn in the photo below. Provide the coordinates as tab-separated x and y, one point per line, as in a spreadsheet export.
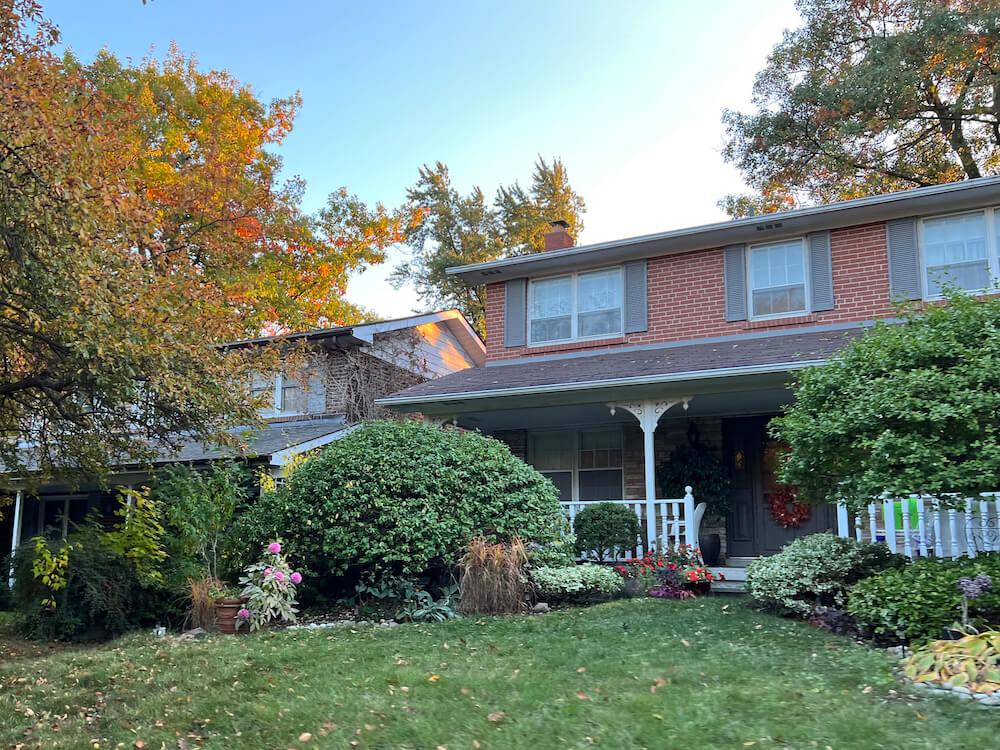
708	673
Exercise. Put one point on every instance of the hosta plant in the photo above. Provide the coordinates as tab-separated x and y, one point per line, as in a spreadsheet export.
269	587
972	661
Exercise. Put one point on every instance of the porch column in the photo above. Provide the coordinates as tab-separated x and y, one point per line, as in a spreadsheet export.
648	412
15	536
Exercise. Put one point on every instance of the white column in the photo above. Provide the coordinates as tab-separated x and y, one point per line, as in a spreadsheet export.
648	412
843	520
15	537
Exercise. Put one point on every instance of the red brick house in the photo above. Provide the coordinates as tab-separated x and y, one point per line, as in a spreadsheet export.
602	358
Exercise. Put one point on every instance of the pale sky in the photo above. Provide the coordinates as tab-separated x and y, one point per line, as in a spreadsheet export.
629	95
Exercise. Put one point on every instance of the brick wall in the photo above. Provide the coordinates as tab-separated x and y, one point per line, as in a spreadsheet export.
516	440
686	297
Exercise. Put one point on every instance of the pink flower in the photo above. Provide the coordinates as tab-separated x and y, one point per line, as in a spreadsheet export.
279	576
268	571
244	614
296	578
274	548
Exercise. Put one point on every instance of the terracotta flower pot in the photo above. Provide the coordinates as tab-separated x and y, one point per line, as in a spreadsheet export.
225	613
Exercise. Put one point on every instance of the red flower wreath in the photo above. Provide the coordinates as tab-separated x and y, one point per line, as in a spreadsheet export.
785	509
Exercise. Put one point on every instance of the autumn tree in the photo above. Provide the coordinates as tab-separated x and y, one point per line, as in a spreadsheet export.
871	96
459	229
142	224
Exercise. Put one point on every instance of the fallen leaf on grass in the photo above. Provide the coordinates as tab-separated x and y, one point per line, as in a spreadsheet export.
305	737
685	641
582	696
657	717
581	670
434	678
495	716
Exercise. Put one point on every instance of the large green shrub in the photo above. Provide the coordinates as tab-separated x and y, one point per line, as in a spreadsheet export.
818	569
604	528
914	603
580	584
700	467
399	497
103	595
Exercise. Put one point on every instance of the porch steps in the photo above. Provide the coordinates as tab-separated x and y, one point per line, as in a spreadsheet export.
735	574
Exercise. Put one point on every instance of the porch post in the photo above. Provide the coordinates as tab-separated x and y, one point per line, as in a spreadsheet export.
15	536
648	412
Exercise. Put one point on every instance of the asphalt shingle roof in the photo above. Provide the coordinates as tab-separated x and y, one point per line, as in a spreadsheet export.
637	363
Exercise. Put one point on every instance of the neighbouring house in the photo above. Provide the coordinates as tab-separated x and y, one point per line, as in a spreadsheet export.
601	359
346	370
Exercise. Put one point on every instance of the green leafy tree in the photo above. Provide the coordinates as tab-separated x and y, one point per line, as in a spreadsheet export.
868	97
909	407
460	229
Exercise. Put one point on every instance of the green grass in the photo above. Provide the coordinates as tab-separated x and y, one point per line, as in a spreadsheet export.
707	673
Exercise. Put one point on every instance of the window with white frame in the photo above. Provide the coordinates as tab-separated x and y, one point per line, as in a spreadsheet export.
284	394
777	277
585	465
959	251
579	306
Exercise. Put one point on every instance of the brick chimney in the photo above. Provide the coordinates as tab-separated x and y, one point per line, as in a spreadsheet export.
558	236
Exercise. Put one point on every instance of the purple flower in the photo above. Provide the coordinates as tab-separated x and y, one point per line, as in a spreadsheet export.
243	614
279	576
296	578
974	588
274	548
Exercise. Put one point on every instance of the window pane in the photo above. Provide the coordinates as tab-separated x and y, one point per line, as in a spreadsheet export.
551	451
551	329
601	485
601	290
777	278
563	480
601	450
955	251
294	397
599	323
549	309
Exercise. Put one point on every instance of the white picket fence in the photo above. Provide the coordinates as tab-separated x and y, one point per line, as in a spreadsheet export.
916	527
676	521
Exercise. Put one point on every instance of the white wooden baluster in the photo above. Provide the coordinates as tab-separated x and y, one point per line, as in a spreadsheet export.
938	531
984	524
872	522
970	543
639	550
843	520
907	542
889	523
858	526
665	533
953	530
690	532
922	526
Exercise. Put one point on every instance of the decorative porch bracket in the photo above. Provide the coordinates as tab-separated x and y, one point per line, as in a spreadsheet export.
648	412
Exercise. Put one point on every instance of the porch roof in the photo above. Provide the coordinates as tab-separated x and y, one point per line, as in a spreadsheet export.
726	357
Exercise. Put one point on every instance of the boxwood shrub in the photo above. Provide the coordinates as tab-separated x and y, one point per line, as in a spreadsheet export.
815	570
580	584
916	602
399	498
604	528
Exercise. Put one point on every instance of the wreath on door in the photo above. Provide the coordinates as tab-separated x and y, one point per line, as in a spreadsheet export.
785	509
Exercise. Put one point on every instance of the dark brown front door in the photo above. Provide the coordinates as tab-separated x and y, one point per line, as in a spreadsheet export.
751	457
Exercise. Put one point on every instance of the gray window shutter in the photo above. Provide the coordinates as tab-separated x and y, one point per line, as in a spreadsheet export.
515	314
904	258
736	282
635	297
820	271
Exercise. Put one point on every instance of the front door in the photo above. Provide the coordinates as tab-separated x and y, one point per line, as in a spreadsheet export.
751	456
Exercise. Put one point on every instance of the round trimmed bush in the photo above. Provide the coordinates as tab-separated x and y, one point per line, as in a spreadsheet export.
603	528
816	570
398	497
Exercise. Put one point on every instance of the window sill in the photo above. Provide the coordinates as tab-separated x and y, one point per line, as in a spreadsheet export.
793	320
572	345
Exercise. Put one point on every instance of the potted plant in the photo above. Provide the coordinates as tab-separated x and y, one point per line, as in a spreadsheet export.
228	603
695	464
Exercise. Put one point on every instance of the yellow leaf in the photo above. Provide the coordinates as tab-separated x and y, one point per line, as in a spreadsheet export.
657	717
434	678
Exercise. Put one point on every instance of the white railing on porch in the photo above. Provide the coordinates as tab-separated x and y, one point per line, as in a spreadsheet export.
916	527
674	522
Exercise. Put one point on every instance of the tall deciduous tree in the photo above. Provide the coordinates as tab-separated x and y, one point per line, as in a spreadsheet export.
141	224
460	229
871	96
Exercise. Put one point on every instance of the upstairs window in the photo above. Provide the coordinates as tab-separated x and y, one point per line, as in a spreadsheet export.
959	251
777	279
284	394
579	306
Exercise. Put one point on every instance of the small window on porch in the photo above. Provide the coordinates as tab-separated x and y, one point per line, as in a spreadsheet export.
552	454
585	465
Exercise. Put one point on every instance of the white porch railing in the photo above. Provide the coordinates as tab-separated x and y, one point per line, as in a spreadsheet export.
675	521
916	527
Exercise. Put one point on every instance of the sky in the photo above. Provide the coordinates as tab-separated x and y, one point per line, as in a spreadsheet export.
629	95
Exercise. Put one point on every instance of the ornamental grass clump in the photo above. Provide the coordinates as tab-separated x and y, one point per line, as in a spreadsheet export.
269	588
491	577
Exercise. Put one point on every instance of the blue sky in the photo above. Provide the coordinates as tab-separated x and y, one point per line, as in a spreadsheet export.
629	94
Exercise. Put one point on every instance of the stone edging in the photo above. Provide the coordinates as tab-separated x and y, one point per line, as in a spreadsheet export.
983	699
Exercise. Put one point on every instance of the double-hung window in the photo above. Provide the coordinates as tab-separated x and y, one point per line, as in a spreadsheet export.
584	465
959	251
578	306
777	277
284	394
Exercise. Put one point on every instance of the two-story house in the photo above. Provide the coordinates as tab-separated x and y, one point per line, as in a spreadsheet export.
346	369
602	358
